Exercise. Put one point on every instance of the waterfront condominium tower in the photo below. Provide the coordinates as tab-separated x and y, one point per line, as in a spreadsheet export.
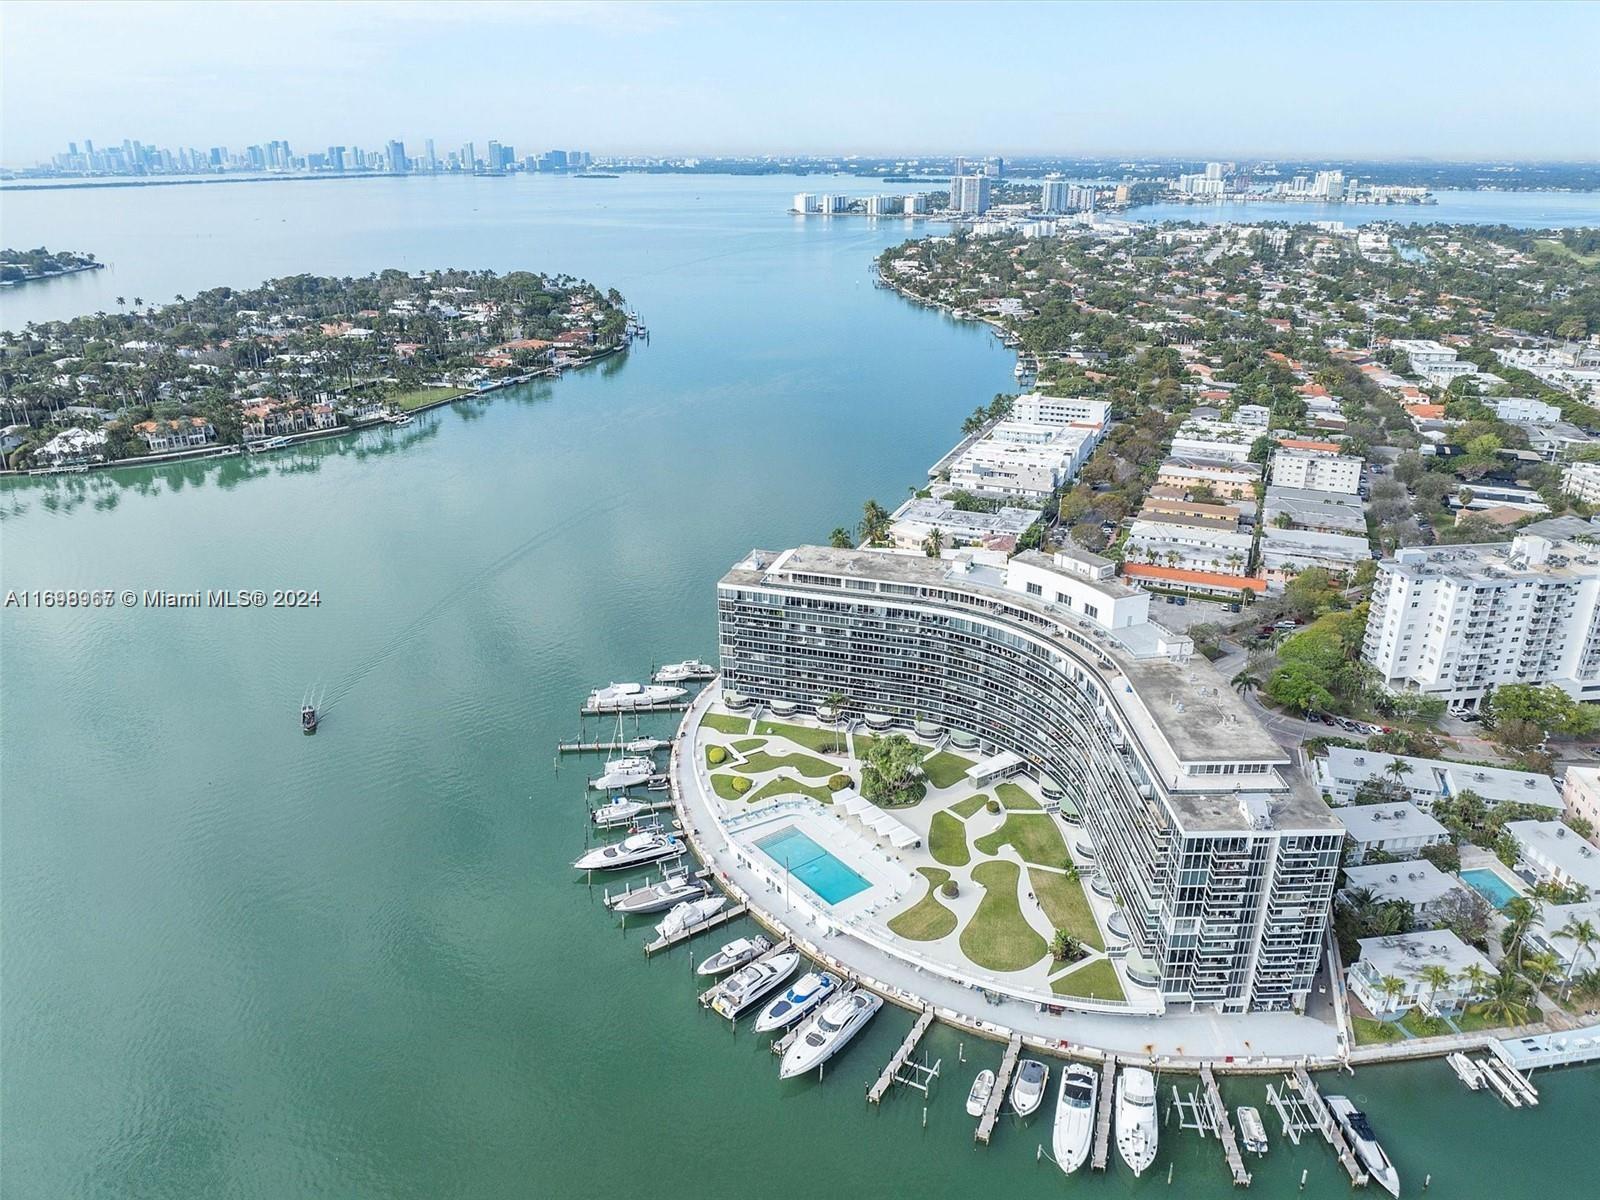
1219	856
969	194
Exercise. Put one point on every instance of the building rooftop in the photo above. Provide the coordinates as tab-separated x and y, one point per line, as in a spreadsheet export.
948	517
1308	506
1183	462
1310	541
1527	556
1417	883
1556	844
1368	823
1405	954
1438	777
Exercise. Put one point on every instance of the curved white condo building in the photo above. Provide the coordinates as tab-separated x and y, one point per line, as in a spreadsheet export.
1220	855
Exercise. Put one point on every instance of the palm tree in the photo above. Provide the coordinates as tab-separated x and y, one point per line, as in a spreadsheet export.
1397	770
1521	914
1507	998
1244	682
1392	987
1541	968
840	539
874	525
1583	935
1476	979
1437	978
933	544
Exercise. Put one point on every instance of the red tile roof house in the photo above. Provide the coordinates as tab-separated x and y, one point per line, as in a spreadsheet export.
180	434
1181	579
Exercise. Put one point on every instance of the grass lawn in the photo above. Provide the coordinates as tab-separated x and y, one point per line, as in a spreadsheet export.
1475	1019
821	740
789	787
1067	907
1098	981
722	785
1374	1033
1033	834
421	396
760	761
945	769
970	805
947	841
1561	250
745	745
998	938
1419	1024
927	920
726	723
1015	799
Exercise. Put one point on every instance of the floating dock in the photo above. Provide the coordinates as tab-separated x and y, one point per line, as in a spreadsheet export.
1328	1127
683	935
1002	1080
1549	1049
1102	1117
710	993
875	1093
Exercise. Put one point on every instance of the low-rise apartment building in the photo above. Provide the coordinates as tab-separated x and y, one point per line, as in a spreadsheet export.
1581	481
1418	883
1225	441
1399	831
1225	480
1580	793
919	517
1315	470
1408	957
1343	770
1551	851
1287	552
1306	508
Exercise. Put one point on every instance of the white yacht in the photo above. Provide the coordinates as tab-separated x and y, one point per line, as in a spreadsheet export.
624	773
1252	1130
1075	1112
978	1096
689	913
735	954
624	697
1466	1070
743	988
646	745
658	897
633	851
681	672
810	990
828	1032
620	811
1027	1089
1136	1118
1365	1143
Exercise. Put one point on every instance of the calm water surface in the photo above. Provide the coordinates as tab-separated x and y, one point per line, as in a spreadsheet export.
242	962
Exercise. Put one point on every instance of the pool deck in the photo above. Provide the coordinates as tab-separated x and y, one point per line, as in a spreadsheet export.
891	967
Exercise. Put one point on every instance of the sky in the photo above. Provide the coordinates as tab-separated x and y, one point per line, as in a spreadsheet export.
1309	80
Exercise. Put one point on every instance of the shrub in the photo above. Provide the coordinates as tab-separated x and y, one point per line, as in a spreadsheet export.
838	783
741	784
716	755
949	889
993	806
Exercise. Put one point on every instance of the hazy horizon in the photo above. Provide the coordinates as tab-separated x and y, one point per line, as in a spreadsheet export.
1379	82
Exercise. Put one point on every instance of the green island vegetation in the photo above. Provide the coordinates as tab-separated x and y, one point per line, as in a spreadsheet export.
300	355
1062	897
22	266
927	920
998	937
947	840
1095	980
1034	836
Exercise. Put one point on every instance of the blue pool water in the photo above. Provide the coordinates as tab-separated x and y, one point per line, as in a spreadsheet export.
1489	885
812	865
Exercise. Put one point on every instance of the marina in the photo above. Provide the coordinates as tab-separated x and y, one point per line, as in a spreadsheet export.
892	1072
997	1095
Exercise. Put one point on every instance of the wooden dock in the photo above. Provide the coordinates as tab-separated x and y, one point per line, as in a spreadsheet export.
710	993
683	935
1104	1107
1329	1128
597	747
668	706
1002	1080
875	1093
1224	1127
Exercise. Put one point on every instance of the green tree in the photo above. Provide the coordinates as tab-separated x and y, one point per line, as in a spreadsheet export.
891	771
840	539
874	527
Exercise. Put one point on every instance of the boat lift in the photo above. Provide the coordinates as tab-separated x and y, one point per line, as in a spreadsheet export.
904	1069
1203	1111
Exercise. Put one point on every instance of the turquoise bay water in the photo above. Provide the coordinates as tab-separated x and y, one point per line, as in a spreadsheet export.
238	961
813	866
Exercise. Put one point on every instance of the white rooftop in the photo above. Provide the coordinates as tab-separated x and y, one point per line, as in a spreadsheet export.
1557	845
1440	778
1383	822
1418	883
1405	954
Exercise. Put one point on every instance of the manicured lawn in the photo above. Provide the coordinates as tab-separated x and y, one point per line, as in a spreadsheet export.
789	787
1374	1033
760	761
1033	834
927	920
421	396
997	937
1015	799
1097	981
1474	1019
945	769
947	841
726	723
821	740
745	745
1066	905
970	805
1418	1024
722	785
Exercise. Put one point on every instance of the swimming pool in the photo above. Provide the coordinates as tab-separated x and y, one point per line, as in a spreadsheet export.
812	865
1489	885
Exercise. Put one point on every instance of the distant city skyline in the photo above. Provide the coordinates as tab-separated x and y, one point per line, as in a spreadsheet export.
1389	81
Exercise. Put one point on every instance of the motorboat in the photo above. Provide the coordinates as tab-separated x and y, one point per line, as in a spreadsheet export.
829	1032
1136	1118
978	1096
733	955
1252	1130
810	990
623	697
658	897
682	672
632	851
646	745
620	811
688	914
1027	1089
624	773
747	985
1075	1113
1365	1143
1466	1070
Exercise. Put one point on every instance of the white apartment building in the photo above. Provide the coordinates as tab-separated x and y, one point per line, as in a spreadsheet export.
805	202
1454	621
1287	552
1419	884
916	204
1552	851
1341	772
1580	792
969	194
917	518
1225	441
1227	480
1546	936
1398	830
1022	459
1055	196
1404	956
1316	470
1061	410
1193	547
1425	352
1581	481
1524	410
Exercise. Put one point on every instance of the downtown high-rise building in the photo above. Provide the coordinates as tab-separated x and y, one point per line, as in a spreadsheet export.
969	194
